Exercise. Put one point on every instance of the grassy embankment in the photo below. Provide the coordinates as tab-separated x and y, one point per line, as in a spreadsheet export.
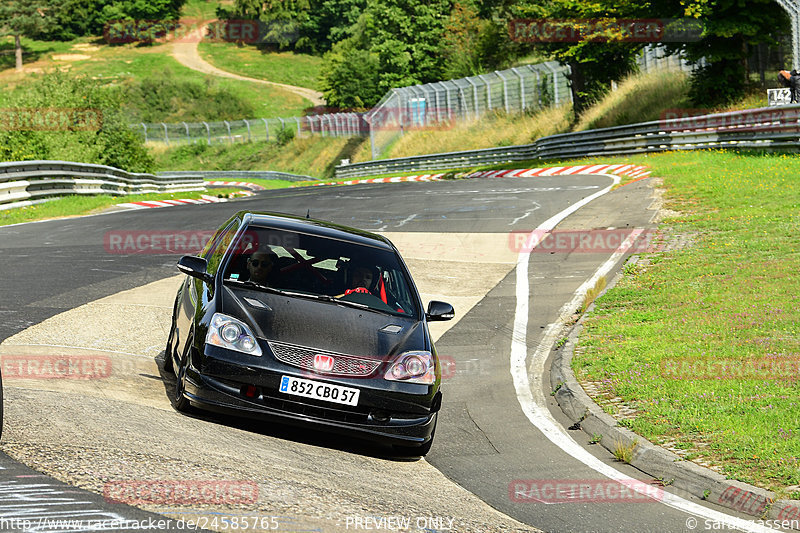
290	68
729	297
641	98
129	64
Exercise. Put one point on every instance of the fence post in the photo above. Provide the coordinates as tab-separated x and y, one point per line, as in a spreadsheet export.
521	87
188	139
368	120
145	130
208	133
555	81
447	100
266	127
474	96
283	126
488	92
538	85
298	127
166	135
249	135
227	125
505	89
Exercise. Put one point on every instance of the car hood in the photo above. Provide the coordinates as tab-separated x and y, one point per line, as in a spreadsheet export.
324	325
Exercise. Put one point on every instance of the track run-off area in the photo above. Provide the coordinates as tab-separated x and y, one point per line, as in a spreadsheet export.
98	291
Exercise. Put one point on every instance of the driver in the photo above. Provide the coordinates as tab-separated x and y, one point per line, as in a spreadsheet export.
260	265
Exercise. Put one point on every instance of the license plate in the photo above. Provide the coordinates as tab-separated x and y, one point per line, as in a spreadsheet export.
319	391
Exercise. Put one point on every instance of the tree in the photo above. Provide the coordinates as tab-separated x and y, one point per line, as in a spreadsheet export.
74	18
596	51
401	38
350	77
463	50
27	18
730	27
329	22
283	18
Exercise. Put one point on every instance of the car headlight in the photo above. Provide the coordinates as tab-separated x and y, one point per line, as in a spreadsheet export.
228	332
413	367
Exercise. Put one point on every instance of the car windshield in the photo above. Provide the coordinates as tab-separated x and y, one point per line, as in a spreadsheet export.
323	268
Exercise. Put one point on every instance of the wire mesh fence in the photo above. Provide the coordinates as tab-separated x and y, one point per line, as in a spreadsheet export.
445	103
255	129
416	107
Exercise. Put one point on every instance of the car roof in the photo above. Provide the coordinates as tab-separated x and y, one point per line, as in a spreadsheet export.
313	226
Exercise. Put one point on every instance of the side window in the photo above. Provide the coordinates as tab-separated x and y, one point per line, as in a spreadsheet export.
216	251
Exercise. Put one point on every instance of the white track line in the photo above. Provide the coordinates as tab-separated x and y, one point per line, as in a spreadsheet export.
532	400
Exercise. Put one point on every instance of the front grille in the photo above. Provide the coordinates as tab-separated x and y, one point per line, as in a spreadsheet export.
303	357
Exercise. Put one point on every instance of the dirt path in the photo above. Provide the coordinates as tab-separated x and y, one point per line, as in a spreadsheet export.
187	55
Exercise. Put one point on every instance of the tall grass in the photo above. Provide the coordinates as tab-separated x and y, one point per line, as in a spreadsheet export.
496	129
638	98
314	156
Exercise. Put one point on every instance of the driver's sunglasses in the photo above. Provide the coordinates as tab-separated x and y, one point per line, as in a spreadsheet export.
257	262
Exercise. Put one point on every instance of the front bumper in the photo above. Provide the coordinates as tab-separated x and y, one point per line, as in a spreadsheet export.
217	382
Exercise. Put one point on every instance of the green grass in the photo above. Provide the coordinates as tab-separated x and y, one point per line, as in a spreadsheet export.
68	206
312	156
733	295
202	9
248	60
122	63
31	51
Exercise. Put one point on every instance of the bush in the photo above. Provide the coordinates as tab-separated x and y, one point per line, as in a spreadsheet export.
102	138
163	98
285	136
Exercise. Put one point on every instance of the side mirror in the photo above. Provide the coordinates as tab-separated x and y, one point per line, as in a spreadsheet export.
194	266
439	311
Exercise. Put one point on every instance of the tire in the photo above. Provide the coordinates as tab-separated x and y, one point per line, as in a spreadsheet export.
179	401
169	351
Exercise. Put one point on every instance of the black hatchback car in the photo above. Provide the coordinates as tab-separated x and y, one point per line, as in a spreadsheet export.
309	323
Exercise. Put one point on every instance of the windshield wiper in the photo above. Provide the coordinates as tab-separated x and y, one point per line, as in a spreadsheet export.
253	285
357	305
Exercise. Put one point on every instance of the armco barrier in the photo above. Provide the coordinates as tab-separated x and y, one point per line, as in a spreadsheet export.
766	128
27	182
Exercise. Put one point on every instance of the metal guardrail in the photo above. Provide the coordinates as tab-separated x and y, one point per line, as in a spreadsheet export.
236	175
767	128
25	183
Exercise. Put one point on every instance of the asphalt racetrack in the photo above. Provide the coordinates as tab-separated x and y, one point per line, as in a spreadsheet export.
74	288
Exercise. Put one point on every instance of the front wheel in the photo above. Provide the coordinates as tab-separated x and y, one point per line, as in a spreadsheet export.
169	351
179	401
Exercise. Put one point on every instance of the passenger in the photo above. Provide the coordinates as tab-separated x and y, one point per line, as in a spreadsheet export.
361	279
260	265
